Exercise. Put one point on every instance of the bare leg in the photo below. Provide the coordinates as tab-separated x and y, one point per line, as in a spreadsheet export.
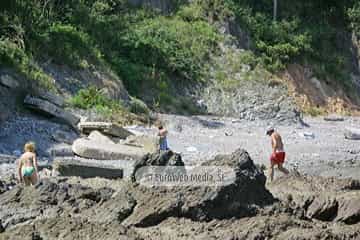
27	181
34	178
271	172
282	169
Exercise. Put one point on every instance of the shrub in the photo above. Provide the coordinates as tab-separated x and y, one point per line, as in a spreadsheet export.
354	15
138	107
12	56
171	44
92	97
69	46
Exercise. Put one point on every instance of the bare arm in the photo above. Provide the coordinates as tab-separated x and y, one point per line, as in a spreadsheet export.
163	133
19	170
35	163
273	143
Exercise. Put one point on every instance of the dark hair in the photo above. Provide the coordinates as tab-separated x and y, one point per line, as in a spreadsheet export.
270	131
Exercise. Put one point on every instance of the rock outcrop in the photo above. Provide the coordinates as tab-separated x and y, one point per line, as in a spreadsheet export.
51	109
325	199
69	166
111	129
96	149
73	208
242	198
149	143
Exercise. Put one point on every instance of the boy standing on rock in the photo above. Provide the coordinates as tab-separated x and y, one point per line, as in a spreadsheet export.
163	137
278	154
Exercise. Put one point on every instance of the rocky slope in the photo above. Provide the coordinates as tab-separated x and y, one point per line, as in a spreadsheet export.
238	90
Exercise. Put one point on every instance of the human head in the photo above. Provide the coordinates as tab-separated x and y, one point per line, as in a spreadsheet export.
159	125
29	147
269	131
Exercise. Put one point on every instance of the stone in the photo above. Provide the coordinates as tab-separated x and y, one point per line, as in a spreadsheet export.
87	148
65	151
150	144
104	127
75	167
323	208
50	97
307	135
163	158
98	136
349	209
240	198
8	81
334	118
4	158
51	109
63	136
352	133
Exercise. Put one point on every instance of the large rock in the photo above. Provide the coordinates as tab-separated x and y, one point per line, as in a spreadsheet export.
323	208
8	81
92	149
51	109
348	208
75	167
50	97
240	198
352	133
104	127
149	143
98	136
325	199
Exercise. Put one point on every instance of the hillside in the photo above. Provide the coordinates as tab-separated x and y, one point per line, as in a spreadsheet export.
224	57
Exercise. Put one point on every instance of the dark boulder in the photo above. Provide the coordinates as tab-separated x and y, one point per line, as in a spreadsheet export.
240	198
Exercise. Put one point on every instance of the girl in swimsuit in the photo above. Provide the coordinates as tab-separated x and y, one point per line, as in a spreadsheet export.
27	165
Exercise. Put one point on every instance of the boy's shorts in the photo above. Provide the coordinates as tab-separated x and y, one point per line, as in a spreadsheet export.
277	157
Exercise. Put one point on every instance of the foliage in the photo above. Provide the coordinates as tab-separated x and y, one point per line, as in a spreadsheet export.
171	44
69	46
138	107
314	111
92	97
354	15
146	48
12	55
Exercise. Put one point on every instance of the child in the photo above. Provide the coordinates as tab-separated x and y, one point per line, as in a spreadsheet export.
278	154
27	165
163	139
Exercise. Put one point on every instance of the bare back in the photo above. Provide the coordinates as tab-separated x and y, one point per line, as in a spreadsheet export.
27	159
276	142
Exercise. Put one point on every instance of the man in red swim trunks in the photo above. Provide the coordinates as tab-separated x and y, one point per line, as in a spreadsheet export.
278	154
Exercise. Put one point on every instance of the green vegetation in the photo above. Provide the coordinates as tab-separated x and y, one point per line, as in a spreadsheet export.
154	52
314	111
92	98
12	56
354	15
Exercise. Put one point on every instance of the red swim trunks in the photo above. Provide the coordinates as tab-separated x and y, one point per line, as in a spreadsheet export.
277	157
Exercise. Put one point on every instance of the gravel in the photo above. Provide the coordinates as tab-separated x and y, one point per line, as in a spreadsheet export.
319	149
